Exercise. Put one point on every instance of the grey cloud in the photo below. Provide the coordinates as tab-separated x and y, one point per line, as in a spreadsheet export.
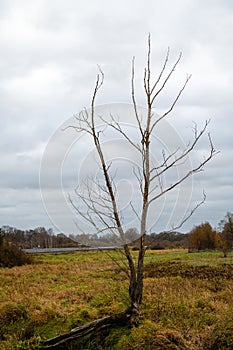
48	69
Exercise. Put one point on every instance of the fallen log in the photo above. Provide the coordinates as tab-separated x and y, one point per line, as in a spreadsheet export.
122	318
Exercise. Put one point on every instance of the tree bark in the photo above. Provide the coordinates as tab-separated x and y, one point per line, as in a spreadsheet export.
122	319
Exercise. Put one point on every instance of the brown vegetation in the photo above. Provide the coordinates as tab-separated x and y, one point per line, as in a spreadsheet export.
187	301
203	237
10	254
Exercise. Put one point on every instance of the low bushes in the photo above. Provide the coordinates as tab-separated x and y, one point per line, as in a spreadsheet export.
11	255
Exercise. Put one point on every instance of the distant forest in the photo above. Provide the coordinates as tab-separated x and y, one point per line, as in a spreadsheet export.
201	237
43	238
37	238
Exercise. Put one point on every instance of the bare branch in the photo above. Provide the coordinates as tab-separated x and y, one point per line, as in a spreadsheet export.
116	126
173	104
147	70
186	218
162	70
185	153
135	212
125	266
167	78
138	176
193	210
196	169
134	99
165	161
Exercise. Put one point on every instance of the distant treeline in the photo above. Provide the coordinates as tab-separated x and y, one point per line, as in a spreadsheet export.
37	238
201	237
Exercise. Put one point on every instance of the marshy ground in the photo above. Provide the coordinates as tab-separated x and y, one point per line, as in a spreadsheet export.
187	302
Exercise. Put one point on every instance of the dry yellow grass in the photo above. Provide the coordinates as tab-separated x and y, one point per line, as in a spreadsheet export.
59	292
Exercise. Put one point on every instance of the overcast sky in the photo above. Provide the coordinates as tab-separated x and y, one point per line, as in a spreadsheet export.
48	64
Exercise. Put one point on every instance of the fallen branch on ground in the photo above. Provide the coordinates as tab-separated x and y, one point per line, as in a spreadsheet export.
122	318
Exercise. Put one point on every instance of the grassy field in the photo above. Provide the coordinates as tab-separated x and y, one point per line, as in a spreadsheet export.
187	301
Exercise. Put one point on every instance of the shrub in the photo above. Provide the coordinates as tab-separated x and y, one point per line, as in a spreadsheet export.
221	338
11	255
12	312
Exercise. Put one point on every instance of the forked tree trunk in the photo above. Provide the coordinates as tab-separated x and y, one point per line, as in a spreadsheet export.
136	287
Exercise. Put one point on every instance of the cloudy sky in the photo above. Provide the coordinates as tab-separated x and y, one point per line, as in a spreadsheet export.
48	64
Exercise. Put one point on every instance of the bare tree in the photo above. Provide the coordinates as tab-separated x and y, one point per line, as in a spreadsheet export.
99	197
100	201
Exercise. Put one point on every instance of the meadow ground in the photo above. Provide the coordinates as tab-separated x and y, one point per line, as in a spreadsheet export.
187	302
